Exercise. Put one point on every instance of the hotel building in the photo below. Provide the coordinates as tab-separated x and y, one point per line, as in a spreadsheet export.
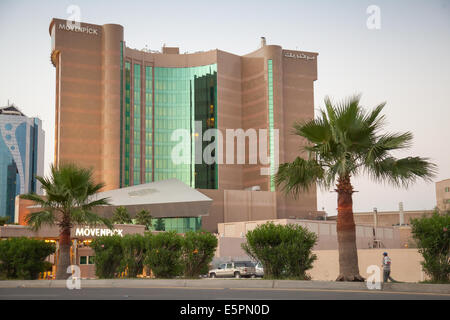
117	108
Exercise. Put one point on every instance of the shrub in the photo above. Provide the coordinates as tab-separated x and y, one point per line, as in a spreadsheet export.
133	254
163	256
198	251
285	251
108	256
23	258
432	236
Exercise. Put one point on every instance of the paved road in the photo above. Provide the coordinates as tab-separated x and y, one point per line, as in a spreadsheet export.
204	294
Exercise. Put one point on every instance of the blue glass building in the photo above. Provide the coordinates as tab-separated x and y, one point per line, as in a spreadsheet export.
21	157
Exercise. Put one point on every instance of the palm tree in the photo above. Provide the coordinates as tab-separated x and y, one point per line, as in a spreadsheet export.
345	141
67	201
144	217
121	216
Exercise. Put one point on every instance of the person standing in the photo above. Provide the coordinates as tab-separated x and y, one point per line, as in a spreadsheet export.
387	268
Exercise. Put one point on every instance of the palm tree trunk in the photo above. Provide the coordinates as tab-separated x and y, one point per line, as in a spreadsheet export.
348	255
64	254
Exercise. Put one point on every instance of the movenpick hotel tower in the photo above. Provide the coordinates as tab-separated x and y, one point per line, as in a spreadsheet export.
117	108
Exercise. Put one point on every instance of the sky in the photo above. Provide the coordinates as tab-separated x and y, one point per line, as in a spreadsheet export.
405	62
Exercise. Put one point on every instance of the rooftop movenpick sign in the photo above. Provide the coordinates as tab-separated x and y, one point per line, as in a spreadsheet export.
77	28
97	232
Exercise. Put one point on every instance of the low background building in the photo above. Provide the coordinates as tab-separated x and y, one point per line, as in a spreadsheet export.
443	195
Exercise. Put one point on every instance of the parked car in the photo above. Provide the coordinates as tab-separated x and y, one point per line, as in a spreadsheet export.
259	270
236	269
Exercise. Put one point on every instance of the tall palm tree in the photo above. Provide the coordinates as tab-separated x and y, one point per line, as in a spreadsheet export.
67	201
344	141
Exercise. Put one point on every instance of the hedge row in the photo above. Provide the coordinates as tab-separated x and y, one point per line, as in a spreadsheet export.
167	254
23	258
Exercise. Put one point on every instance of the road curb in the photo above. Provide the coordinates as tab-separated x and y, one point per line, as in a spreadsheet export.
230	284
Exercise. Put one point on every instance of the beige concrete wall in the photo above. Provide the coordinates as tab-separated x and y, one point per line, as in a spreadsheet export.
387	218
325	230
405	264
216	215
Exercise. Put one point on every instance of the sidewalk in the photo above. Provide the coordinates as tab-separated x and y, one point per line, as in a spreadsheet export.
230	283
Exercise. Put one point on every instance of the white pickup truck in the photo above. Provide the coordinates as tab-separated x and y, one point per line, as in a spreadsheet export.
235	269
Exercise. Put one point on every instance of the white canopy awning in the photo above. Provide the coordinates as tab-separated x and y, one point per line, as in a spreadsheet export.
167	198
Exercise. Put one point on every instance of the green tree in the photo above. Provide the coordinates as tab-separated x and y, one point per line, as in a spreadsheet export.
121	216
144	218
160	225
345	141
432	235
23	258
68	201
198	251
108	256
164	254
285	251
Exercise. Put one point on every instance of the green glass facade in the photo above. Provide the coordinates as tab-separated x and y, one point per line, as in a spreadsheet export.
180	225
271	124
127	126
174	99
181	97
148	124
137	125
157	101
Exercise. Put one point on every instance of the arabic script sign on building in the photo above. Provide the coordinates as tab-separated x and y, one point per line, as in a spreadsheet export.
298	56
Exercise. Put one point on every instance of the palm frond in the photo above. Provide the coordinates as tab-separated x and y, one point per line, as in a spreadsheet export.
90	218
34	197
95	203
401	172
36	219
299	175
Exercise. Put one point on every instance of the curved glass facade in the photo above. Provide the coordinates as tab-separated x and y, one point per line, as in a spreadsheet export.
174	98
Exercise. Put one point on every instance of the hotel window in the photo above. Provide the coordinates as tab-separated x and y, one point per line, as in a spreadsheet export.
87	260
447	189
